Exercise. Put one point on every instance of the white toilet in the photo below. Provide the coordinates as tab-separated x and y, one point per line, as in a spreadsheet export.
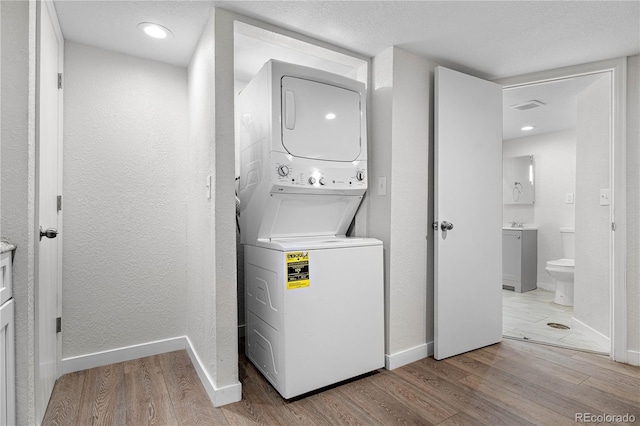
562	269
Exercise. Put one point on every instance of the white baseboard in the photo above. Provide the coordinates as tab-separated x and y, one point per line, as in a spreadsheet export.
218	396
633	357
113	356
546	286
408	356
591	333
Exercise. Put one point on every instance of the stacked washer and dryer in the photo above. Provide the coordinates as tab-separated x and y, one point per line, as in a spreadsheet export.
314	303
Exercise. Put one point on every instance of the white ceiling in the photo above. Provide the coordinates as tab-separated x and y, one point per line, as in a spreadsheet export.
489	39
559	111
112	25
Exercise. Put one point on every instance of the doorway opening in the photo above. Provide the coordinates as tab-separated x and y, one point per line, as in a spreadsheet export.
558	177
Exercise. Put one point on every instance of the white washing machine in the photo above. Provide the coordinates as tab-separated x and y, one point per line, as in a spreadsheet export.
314	311
313	297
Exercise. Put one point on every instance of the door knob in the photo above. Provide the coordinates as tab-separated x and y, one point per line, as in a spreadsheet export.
49	233
446	226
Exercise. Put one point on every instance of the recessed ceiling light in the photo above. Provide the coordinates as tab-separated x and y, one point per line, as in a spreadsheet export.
527	128
155	30
330	116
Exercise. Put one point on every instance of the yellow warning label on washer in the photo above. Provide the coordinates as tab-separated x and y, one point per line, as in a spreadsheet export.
297	270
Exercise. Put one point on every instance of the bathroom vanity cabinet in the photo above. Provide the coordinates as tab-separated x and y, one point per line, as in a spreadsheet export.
7	354
519	259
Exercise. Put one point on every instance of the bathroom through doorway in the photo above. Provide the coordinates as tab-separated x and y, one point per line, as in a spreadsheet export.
559	249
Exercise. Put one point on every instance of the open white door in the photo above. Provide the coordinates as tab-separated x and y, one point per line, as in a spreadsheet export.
468	213
49	154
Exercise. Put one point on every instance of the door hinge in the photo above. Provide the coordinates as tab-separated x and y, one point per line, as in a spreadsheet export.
59	80
59	202
58	324
613	226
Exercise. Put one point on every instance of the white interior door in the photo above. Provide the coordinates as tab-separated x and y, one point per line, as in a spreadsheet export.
49	131
468	198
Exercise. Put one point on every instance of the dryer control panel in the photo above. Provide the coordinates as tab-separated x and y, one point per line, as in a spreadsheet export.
291	174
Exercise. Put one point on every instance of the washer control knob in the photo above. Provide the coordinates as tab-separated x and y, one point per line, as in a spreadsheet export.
312	180
360	175
322	181
283	170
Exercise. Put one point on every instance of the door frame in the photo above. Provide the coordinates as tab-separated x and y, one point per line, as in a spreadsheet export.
56	26
618	174
47	8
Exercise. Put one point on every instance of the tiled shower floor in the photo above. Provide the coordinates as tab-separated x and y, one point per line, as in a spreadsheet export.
525	316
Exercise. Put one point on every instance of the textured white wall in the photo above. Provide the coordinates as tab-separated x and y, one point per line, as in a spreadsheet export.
212	288
17	196
1	50
380	166
125	145
200	210
400	152
555	175
633	203
408	187
591	281
225	231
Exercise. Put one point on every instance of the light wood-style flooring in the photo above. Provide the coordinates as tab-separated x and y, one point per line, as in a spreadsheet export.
510	383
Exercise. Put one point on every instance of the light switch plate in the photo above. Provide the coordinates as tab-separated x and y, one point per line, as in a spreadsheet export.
208	185
382	185
605	197
568	198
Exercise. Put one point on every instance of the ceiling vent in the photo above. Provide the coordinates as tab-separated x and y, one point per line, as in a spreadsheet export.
527	105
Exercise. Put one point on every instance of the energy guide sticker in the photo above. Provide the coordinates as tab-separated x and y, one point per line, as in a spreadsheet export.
297	270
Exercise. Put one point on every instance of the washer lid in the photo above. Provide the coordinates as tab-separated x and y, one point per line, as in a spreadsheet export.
317	243
320	121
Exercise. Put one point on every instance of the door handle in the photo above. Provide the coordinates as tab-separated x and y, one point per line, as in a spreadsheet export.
49	233
446	226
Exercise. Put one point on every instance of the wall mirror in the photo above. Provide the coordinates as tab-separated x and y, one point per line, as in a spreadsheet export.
518	180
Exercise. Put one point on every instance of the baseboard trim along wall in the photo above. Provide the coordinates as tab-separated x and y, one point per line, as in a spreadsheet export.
408	356
633	357
127	353
218	396
546	286
591	333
